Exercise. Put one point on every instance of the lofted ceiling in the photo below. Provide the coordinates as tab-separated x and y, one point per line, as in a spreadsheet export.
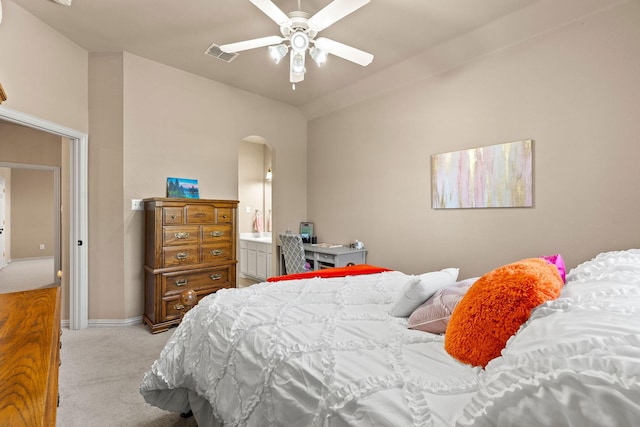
410	39
177	33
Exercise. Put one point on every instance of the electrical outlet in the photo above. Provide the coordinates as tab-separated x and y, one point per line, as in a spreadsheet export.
41	246
137	205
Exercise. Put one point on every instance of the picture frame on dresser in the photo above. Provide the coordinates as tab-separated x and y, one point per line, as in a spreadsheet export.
182	188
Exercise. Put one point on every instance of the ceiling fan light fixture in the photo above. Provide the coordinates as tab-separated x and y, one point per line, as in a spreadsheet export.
318	55
299	41
297	64
299	30
278	52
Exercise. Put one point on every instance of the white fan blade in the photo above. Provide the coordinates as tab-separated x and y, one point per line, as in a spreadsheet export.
251	44
334	12
343	51
272	11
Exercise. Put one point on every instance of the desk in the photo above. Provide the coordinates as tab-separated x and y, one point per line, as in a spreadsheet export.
319	257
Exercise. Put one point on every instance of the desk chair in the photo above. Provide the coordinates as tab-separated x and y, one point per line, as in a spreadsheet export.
293	253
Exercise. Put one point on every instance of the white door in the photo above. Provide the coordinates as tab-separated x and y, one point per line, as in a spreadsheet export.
3	256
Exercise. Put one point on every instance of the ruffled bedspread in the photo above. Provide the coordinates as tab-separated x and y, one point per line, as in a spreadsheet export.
324	352
316	352
576	362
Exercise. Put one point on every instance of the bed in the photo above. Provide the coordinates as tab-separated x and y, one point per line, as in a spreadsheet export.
332	352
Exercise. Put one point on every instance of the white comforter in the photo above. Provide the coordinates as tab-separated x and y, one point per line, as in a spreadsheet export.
576	362
317	352
326	353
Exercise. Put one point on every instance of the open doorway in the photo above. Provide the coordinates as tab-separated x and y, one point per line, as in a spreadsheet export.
74	213
255	211
31	227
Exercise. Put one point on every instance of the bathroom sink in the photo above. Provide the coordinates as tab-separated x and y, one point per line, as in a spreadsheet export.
256	237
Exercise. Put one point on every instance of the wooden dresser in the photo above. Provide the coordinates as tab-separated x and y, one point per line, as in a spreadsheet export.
190	244
29	357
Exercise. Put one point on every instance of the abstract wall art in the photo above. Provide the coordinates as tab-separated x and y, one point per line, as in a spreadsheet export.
496	176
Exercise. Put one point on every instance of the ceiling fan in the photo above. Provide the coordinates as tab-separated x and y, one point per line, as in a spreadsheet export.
299	31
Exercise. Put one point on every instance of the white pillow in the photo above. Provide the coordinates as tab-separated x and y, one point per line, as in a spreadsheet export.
420	288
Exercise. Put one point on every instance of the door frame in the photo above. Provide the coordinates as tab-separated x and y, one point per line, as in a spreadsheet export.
78	275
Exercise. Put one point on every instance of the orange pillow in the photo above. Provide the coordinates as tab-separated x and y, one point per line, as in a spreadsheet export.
496	305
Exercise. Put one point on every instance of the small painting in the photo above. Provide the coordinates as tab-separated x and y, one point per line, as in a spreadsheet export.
497	176
182	188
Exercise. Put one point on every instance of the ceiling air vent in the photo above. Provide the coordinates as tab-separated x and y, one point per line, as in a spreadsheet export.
214	50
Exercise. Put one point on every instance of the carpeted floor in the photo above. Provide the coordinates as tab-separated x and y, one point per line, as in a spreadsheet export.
24	274
100	377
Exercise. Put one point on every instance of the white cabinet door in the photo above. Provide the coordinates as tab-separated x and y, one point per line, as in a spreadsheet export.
255	259
252	260
243	257
261	271
269	260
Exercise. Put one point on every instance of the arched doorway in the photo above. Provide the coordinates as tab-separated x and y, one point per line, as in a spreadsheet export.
255	210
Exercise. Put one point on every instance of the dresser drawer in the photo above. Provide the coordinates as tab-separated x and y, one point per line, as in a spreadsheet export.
216	233
172	308
224	215
217	252
200	214
180	235
172	216
180	255
326	258
211	279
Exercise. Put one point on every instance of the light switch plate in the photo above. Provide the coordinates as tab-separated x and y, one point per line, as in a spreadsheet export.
137	205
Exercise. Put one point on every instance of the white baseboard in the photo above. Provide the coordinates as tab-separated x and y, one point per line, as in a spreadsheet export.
108	323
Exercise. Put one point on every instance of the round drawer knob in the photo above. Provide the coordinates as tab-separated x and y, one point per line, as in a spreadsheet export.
188	297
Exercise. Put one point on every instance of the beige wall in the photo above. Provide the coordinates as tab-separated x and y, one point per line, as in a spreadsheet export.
32	213
31	203
141	135
20	144
142	130
106	179
575	91
43	73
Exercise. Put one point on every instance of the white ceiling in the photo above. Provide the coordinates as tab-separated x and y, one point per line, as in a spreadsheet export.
177	32
406	37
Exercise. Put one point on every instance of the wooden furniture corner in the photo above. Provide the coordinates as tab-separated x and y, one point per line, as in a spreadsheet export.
3	94
29	357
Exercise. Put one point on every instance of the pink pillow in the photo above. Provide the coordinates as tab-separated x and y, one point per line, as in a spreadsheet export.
559	263
433	315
